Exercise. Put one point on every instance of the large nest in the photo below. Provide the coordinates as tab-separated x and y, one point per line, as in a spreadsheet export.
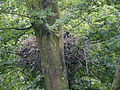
30	56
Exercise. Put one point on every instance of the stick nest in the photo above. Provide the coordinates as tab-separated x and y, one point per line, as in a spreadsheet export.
30	56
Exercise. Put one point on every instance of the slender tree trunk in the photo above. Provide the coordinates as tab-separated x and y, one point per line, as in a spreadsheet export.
51	47
116	81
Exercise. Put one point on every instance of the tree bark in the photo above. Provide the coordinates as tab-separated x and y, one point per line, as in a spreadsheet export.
51	47
116	81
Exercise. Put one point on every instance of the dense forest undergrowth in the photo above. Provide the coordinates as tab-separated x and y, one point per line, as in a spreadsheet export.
34	56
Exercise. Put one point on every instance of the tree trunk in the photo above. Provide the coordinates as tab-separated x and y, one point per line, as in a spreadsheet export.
51	47
116	81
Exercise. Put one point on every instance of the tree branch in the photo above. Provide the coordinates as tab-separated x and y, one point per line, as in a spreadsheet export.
17	38
2	11
28	28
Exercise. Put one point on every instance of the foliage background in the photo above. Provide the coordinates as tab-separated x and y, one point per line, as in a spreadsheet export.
95	20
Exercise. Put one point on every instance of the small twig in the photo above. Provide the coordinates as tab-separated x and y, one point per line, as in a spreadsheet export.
96	77
17	28
85	48
78	23
16	53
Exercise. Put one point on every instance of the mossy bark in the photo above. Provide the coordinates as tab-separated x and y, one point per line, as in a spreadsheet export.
51	47
116	81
